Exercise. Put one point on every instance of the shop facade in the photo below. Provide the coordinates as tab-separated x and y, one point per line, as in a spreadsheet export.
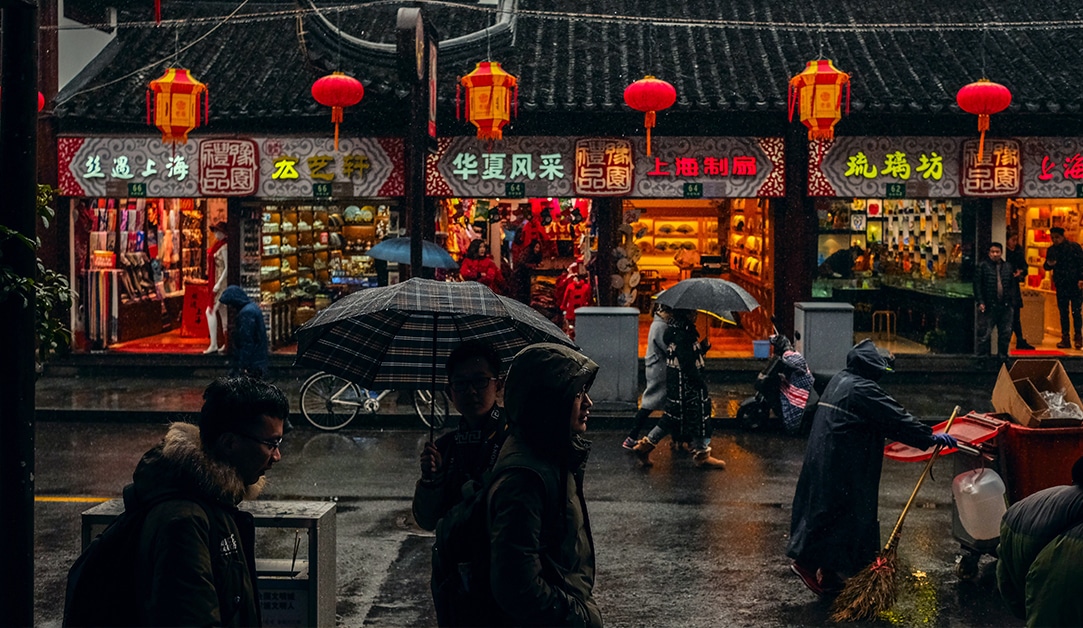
638	222
299	216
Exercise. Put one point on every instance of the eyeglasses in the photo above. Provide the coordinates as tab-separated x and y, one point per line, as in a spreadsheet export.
477	383
271	444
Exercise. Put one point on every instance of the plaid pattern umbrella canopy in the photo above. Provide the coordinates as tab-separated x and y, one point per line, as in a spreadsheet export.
391	337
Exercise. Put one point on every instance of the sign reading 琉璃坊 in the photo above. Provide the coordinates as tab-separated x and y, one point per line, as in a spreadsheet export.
866	166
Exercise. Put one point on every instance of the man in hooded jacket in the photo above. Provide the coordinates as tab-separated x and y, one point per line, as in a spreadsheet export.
196	563
834	531
541	548
248	342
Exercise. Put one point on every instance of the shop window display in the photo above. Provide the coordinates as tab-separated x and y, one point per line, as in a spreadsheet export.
905	266
133	259
301	255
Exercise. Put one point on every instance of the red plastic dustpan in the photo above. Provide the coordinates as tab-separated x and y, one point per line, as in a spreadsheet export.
971	429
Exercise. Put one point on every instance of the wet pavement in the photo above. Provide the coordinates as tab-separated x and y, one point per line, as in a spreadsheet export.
676	545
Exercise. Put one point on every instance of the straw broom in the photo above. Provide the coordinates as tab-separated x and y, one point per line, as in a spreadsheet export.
872	591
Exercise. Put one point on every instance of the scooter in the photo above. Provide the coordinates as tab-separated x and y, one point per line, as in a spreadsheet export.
764	410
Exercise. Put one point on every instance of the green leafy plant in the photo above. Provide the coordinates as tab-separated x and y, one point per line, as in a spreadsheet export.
936	340
50	290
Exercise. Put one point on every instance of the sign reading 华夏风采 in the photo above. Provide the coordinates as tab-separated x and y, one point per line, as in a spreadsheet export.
538	166
218	167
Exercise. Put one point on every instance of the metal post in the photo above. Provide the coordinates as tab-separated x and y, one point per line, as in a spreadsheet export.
18	152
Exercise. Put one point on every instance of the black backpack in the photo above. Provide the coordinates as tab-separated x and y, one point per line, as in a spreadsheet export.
460	556
102	588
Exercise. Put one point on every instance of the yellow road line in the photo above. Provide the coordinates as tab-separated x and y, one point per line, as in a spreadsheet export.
84	500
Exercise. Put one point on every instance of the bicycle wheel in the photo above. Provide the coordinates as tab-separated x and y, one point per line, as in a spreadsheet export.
422	405
330	402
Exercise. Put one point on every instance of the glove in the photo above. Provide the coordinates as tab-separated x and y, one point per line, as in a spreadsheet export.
947	441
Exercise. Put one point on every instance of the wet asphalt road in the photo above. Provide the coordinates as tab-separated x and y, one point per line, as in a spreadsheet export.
676	545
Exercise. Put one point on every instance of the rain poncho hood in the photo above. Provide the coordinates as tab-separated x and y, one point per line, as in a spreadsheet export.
866	360
235	296
538	392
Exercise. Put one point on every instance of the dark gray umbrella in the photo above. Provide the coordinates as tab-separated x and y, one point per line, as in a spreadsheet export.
400	336
398	250
707	294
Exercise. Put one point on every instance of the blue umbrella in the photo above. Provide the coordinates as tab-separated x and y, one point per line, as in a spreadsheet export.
398	250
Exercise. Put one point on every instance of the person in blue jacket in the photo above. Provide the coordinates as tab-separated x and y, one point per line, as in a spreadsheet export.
834	531
248	342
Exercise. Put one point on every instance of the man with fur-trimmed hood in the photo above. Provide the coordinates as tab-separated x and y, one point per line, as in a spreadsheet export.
541	549
196	565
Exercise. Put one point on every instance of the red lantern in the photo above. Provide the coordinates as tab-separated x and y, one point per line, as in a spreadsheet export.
650	95
336	90
983	98
817	92
492	96
175	108
41	101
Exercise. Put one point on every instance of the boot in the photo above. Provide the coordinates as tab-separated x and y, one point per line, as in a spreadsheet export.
642	450
1064	343
703	458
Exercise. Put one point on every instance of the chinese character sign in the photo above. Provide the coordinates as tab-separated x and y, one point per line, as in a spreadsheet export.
290	166
228	167
466	166
1052	166
603	167
719	166
865	166
88	164
997	173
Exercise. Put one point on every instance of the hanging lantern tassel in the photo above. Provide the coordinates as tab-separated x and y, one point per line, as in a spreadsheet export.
650	95
983	98
336	117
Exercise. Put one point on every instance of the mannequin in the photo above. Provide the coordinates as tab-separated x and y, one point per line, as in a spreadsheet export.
216	278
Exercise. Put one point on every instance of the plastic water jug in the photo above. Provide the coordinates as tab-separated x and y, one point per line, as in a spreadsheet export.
979	498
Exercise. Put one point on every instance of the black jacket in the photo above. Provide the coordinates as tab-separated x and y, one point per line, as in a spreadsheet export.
1068	269
196	564
467	455
248	342
985	284
834	521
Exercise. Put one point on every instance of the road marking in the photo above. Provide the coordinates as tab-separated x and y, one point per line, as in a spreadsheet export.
83	500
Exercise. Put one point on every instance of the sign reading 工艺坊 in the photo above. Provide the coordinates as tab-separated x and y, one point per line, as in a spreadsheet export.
560	166
219	167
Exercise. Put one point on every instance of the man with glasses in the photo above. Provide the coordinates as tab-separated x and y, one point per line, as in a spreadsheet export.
473	371
196	563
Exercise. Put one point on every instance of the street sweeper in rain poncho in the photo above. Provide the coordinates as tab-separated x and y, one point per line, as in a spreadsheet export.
834	531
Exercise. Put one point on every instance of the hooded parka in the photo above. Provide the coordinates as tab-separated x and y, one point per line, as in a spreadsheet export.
248	341
541	552
196	563
1029	528
834	523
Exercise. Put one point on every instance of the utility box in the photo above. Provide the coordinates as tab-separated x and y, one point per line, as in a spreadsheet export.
295	557
824	334
1032	316
610	337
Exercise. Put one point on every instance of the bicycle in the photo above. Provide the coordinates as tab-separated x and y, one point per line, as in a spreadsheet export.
330	402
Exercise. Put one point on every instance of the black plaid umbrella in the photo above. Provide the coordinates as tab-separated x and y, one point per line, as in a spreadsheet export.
400	336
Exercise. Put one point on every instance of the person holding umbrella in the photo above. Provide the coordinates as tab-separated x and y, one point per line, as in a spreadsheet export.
654	395
688	406
834	532
473	371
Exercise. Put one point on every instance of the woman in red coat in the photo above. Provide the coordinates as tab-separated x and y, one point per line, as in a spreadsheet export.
478	266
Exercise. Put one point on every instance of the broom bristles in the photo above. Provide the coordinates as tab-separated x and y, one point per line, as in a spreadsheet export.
870	592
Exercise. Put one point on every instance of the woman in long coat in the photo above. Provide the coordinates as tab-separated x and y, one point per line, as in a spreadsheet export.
834	531
688	406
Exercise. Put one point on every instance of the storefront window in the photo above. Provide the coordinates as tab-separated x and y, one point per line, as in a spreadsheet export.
903	264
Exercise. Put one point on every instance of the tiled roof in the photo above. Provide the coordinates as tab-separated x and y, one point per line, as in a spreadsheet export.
721	55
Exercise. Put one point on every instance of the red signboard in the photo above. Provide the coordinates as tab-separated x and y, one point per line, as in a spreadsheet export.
604	167
228	168
1000	172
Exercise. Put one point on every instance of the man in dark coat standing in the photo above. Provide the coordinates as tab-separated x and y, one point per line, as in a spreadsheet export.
834	531
1065	259
994	293
1017	257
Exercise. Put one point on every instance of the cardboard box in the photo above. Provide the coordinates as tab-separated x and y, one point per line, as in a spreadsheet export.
1017	392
